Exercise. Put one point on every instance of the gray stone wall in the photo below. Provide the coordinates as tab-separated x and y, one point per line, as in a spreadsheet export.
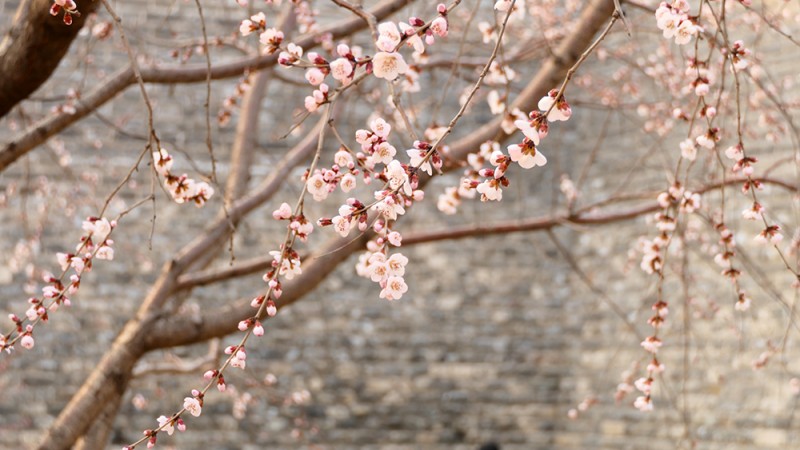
496	340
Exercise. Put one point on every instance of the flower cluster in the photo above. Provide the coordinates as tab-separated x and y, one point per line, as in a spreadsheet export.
182	188
378	266
68	6
299	225
291	55
94	244
674	201
226	111
239	355
738	55
450	200
342	69
552	107
702	79
317	98
673	19
388	63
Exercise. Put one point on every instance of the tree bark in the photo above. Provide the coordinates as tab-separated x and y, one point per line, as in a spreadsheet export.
33	48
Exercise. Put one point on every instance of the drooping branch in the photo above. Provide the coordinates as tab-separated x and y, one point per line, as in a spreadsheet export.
52	125
33	48
112	374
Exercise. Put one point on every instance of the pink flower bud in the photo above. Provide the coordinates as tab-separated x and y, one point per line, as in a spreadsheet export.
258	330
27	341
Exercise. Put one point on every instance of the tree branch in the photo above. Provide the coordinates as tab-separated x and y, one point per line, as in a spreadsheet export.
33	48
49	126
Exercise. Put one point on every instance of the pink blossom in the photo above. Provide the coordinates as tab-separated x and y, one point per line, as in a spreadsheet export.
398	177
688	149
272	38
63	260
317	187
417	159
343	158
380	127
395	288
167	424
348	182
503	5
105	252
685	31
284	212
412	38
389	37
439	26
643	404
651	344
341	225
377	268
388	65
560	112
27	341
258	329
341	69
314	76
526	155
490	190
192	405
396	265
162	162
394	238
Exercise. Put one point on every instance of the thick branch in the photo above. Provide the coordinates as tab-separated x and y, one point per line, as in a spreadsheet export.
33	48
550	76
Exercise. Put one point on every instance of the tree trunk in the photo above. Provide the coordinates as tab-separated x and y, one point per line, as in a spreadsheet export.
33	48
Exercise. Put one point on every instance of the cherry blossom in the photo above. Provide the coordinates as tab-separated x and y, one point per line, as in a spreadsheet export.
193	406
389	37
490	190
688	149
388	65
503	5
166	424
284	212
643	403
560	112
412	38
526	155
255	23
272	39
341	69
652	344
395	288
686	30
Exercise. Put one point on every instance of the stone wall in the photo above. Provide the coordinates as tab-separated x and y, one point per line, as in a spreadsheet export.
497	339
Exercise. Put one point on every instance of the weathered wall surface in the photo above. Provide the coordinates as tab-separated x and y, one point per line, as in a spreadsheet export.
497	339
